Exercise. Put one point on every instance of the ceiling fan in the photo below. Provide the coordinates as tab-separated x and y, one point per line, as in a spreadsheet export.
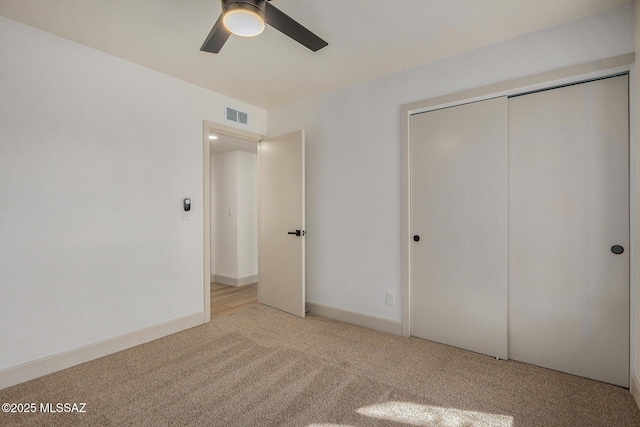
247	18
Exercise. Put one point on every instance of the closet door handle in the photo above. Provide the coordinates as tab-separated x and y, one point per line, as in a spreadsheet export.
617	249
297	232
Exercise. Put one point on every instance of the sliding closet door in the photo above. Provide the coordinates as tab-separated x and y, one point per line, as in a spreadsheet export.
458	254
568	223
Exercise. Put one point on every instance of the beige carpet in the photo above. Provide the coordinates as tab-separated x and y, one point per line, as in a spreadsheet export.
261	367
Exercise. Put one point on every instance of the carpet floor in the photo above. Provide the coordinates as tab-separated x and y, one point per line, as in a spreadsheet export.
262	367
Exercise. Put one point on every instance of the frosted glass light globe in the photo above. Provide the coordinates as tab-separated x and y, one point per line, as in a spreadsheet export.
243	22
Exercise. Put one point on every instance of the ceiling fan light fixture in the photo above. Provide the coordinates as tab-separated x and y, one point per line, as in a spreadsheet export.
247	18
243	20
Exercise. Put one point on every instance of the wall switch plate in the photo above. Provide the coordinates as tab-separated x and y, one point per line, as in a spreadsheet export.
391	298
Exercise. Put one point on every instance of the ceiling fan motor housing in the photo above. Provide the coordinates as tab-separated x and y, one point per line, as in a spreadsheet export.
256	6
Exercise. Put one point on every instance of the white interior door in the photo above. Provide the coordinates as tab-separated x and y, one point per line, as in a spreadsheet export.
568	206
281	254
458	273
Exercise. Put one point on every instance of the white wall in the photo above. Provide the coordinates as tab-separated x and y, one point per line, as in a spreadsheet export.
235	215
247	214
226	225
353	153
212	204
96	155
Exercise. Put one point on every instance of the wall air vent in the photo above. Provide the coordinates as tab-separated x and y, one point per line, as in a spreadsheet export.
236	116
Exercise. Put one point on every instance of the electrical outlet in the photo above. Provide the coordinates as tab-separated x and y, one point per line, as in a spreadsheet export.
391	298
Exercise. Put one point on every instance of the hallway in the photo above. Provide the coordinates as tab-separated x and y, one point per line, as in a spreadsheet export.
230	299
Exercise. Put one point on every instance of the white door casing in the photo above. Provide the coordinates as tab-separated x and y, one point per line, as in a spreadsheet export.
281	206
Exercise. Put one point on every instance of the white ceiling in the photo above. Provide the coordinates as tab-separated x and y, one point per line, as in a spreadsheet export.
367	38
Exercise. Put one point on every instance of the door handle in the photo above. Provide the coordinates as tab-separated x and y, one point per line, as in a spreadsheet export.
617	249
297	232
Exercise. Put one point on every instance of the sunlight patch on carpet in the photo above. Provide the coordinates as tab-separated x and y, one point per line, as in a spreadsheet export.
424	415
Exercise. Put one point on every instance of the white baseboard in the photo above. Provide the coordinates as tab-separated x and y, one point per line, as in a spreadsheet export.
57	362
635	389
232	281
367	320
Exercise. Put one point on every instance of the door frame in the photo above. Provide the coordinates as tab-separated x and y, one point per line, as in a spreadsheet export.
207	128
564	76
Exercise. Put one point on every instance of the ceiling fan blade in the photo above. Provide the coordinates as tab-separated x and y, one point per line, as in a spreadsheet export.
216	38
286	25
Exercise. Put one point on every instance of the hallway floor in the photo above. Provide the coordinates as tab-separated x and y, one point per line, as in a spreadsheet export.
230	299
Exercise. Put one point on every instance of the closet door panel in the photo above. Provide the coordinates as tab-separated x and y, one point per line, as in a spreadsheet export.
458	273
568	206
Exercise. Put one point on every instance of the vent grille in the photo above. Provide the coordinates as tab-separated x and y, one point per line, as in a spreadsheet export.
236	116
232	114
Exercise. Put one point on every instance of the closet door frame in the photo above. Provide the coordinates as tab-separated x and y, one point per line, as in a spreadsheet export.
593	70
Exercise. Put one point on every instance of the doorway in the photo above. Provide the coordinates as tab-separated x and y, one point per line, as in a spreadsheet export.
281	208
234	224
230	219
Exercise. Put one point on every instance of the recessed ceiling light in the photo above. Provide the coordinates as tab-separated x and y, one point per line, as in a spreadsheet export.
213	137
